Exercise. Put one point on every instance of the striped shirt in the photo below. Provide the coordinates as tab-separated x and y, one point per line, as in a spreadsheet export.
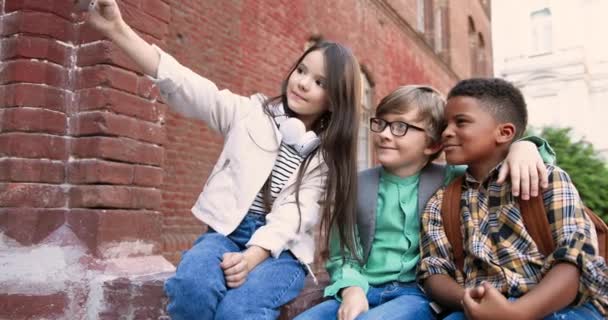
285	166
498	248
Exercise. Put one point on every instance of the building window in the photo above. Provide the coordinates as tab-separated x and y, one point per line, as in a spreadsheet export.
481	56
542	31
364	157
420	12
438	30
473	55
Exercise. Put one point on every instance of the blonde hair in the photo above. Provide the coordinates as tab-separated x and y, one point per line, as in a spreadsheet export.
427	100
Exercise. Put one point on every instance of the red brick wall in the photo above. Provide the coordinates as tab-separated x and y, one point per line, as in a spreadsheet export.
460	12
81	156
248	46
82	129
90	158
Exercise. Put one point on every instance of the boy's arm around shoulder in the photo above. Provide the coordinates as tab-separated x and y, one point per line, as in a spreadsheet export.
573	273
437	270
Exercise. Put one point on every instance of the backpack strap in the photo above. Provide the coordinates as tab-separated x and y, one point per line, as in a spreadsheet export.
537	224
450	214
532	211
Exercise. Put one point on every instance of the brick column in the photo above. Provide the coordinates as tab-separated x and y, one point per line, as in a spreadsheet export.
81	154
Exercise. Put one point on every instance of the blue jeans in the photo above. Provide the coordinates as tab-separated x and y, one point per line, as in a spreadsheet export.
390	301
198	289
584	312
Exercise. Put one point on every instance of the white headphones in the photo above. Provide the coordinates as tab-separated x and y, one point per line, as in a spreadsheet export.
294	132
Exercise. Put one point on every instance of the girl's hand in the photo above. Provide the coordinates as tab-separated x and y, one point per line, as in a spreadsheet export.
527	170
105	17
235	268
354	303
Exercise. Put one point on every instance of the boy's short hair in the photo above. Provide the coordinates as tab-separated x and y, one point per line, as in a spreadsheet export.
501	98
426	99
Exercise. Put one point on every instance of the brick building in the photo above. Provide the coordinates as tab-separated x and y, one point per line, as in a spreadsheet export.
97	176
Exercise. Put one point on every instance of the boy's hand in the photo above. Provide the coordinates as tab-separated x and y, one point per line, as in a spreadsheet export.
236	268
354	303
485	302
527	170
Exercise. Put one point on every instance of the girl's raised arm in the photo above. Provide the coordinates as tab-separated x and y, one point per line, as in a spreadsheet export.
106	18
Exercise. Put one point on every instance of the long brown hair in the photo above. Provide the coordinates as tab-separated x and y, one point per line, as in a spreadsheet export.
337	129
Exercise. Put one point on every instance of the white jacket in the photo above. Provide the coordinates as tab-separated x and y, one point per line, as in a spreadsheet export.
251	147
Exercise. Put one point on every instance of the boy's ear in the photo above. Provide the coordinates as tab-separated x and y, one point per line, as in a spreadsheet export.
505	133
433	148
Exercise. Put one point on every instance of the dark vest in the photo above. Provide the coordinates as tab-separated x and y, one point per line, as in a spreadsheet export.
431	179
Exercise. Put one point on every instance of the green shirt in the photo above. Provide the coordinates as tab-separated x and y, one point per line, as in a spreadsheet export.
395	252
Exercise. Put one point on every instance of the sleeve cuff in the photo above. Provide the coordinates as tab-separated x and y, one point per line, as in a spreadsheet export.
545	150
167	73
350	278
266	240
432	266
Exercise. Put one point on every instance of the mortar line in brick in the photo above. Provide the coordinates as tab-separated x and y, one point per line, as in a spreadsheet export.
35	60
87	160
157	123
72	159
30	108
33	159
114	136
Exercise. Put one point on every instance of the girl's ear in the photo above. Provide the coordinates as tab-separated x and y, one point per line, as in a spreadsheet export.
433	148
505	133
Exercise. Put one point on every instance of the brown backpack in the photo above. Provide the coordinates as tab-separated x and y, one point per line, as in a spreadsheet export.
535	220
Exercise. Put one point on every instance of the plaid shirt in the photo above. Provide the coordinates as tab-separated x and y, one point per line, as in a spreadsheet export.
499	249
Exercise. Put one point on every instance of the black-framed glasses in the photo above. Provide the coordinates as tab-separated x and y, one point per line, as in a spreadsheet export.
398	128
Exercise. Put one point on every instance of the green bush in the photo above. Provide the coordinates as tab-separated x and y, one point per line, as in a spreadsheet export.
587	169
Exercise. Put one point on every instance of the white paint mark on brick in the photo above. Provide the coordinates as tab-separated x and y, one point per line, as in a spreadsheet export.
123	249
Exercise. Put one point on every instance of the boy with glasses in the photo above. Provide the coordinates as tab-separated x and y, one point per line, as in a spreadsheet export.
407	137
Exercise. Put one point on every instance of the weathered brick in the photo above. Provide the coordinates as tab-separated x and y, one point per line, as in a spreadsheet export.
35	306
33	95
33	72
94	171
86	34
40	23
140	297
146	88
31	145
32	195
98	227
107	76
32	120
143	22
31	170
121	149
110	124
104	196
62	8
29	225
148	176
34	48
158	9
104	52
118	102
